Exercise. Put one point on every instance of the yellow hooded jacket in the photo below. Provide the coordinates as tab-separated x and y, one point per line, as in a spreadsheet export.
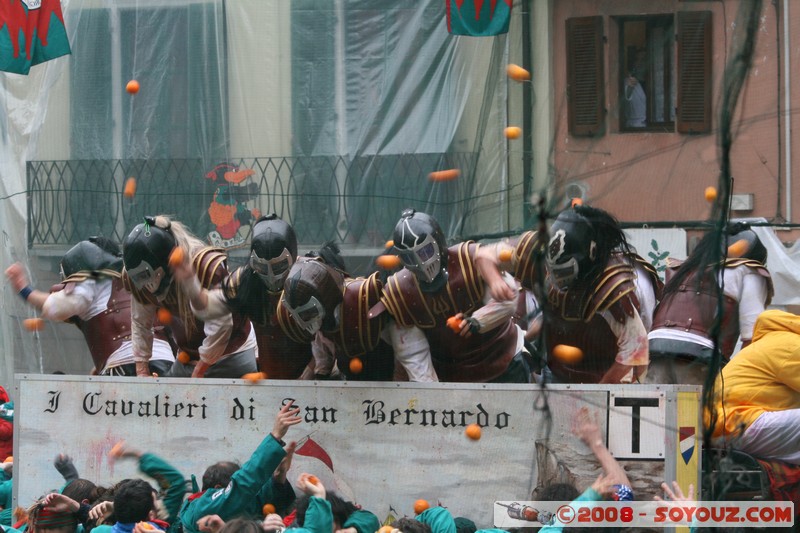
764	376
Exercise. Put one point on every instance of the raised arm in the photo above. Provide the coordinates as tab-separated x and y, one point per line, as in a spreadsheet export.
19	280
589	432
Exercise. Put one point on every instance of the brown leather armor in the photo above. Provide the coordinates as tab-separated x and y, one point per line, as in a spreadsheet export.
692	306
524	260
210	264
575	320
356	334
105	332
480	357
279	356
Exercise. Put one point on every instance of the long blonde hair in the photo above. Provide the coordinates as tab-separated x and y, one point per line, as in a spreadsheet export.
191	246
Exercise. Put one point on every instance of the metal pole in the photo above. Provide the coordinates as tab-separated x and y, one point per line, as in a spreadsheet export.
529	215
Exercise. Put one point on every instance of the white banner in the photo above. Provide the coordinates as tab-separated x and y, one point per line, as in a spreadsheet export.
381	445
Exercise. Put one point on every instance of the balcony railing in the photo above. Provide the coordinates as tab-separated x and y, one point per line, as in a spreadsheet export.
348	200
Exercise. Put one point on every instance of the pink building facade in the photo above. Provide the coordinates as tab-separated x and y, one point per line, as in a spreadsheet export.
637	88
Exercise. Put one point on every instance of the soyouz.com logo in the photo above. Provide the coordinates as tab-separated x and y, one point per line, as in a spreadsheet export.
512	514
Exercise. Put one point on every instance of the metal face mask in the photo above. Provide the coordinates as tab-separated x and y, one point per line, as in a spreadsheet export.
308	316
563	265
272	272
145	277
424	259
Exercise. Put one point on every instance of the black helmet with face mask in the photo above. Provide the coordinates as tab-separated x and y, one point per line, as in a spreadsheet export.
146	252
273	251
422	248
572	250
312	293
92	255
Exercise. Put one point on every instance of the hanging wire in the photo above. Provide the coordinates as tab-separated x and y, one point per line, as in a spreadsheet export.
735	74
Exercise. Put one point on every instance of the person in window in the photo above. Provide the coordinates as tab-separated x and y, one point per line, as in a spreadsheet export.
635	97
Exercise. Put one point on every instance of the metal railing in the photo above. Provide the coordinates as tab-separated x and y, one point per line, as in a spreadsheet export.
348	200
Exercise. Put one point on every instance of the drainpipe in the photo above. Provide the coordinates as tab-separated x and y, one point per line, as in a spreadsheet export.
787	125
527	117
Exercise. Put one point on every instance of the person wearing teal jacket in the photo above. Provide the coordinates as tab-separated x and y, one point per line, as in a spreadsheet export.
134	503
169	479
6	487
440	520
319	517
347	517
241	494
362	521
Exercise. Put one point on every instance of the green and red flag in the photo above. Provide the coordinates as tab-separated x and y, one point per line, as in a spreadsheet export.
31	32
478	18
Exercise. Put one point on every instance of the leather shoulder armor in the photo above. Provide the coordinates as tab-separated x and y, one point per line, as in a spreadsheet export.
403	299
231	284
525	260
614	285
357	333
652	273
464	275
614	291
211	266
83	275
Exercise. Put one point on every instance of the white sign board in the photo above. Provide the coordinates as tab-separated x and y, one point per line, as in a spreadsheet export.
656	244
638	419
383	445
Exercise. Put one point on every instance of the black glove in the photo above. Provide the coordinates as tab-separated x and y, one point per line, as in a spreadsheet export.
66	467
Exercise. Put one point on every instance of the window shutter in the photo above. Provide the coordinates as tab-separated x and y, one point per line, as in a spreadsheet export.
694	71
585	76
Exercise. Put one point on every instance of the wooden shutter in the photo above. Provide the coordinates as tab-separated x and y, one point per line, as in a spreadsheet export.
585	76
694	71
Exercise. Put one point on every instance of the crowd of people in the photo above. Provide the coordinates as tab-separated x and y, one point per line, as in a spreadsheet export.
572	303
257	496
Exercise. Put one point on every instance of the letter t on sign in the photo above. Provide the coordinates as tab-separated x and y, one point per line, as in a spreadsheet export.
636	425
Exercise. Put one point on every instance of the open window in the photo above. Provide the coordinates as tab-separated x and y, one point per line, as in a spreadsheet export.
648	97
664	73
